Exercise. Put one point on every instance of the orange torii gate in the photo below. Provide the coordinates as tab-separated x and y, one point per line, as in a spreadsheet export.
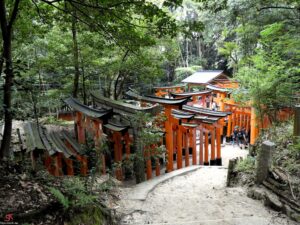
185	137
91	120
163	91
122	108
209	122
168	105
241	116
119	134
194	95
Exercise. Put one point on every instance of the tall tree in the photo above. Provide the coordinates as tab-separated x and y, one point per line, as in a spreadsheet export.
7	21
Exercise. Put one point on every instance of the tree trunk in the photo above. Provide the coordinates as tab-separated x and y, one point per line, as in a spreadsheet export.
75	57
139	162
83	85
6	28
187	52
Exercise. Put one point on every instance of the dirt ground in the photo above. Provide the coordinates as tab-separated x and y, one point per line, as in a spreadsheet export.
199	198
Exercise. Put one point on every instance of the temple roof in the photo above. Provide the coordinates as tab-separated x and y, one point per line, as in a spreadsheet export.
205	77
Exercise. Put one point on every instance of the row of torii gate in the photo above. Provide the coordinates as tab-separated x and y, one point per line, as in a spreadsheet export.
186	126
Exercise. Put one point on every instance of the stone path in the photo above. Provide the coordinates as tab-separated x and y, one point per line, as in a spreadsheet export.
195	196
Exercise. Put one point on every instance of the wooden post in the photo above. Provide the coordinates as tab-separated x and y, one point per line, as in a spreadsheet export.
70	171
212	146
117	159
80	128
193	145
127	144
169	138
194	99
179	147
84	165
201	146
157	167
218	159
229	125
185	144
206	162
233	122
56	165
253	127
297	123
264	160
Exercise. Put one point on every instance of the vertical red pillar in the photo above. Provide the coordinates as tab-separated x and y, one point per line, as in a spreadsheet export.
212	146
80	128
201	146
206	162
193	144
229	123
169	138
179	147
70	171
127	144
218	138
186	149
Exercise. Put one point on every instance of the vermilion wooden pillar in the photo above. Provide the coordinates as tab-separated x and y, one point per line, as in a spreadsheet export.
186	149
192	132
127	144
201	146
253	127
148	163
218	138
69	163
82	159
229	125
179	147
80	128
48	162
206	162
169	138
212	146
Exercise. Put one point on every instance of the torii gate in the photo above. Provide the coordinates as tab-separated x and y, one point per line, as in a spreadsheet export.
91	120
209	121
194	95
168	105
119	134
163	91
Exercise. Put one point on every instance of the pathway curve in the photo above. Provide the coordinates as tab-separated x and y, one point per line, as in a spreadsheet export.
198	197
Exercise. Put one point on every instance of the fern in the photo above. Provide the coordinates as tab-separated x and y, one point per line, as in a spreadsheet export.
60	197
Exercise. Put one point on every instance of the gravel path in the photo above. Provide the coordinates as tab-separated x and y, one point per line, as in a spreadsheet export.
198	198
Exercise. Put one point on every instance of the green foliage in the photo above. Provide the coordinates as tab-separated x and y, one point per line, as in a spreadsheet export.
88	216
75	193
246	165
183	72
60	197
